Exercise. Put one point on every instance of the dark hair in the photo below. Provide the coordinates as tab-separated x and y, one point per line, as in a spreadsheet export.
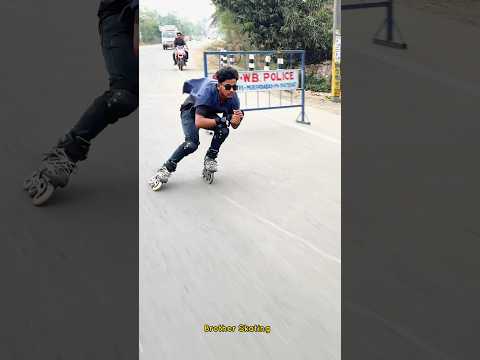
226	73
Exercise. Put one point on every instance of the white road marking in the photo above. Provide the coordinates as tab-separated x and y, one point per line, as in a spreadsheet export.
282	230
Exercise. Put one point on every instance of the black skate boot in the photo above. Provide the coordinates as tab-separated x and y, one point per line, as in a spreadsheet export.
57	166
210	166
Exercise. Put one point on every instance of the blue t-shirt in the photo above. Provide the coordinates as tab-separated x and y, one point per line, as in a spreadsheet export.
204	94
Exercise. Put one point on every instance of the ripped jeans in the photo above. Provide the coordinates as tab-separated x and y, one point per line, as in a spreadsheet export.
192	140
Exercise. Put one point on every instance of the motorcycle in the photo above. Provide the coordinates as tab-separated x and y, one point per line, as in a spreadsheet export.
180	55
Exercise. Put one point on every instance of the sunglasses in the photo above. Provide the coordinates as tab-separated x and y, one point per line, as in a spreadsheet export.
229	87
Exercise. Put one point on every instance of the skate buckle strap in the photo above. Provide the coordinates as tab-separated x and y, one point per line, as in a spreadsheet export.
58	158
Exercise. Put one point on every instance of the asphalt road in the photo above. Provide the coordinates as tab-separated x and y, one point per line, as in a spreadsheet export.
69	270
409	183
259	246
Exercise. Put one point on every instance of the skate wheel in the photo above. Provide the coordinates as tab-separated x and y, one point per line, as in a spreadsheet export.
156	186
155	183
27	184
43	193
208	176
32	191
30	185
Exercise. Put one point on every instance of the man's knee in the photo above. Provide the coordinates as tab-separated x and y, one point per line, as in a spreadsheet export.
222	132
120	103
190	146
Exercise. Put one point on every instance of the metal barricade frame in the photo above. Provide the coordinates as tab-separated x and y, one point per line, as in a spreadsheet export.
226	56
389	22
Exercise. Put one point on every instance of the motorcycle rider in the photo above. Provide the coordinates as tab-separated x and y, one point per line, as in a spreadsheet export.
179	41
208	97
118	30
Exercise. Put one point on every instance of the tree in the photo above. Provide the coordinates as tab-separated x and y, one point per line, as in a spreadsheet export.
282	24
150	21
149	26
234	34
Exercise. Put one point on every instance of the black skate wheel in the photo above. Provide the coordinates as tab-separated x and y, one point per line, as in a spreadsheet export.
207	176
29	182
32	191
45	190
211	177
30	185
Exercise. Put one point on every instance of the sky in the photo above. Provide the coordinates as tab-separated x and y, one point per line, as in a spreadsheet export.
193	10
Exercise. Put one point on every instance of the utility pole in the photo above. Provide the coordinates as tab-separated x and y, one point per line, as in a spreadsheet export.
336	51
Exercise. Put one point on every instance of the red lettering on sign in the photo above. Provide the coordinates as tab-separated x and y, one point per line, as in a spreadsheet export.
267	76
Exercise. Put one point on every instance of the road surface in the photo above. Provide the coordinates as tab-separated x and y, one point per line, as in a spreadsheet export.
70	268
259	246
409	178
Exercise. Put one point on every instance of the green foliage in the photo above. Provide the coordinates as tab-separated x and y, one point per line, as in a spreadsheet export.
280	24
318	84
149	26
150	21
234	35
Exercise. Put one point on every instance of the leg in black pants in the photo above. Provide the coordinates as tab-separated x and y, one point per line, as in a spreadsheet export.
191	142
122	97
220	135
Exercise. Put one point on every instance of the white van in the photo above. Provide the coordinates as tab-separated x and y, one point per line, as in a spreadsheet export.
168	36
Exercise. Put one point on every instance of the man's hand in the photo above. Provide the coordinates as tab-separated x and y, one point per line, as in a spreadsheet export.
236	118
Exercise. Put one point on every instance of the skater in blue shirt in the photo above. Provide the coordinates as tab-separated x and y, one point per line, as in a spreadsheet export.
207	99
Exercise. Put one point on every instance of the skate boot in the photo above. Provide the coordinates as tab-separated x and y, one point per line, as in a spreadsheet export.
160	178
210	166
56	167
54	172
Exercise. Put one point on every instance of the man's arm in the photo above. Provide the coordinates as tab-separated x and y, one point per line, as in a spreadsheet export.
203	119
202	122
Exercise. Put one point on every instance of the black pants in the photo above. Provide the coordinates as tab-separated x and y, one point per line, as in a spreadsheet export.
192	140
122	66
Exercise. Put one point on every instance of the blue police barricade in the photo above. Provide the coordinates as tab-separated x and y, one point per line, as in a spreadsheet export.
267	79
